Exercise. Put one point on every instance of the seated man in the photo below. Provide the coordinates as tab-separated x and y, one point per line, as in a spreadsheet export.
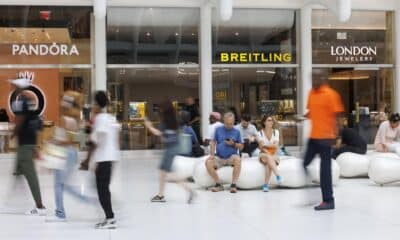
388	136
184	119
349	140
249	135
227	142
215	118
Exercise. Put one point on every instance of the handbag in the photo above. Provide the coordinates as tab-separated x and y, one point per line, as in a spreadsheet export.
184	144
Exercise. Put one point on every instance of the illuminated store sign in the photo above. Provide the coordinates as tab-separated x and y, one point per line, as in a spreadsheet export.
354	54
256	57
44	50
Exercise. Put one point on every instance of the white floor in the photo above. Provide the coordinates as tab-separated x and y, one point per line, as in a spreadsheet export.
364	210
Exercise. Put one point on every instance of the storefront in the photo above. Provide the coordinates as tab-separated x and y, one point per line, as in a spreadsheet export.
258	62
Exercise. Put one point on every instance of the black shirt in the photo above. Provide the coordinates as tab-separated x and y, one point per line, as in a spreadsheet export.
351	137
27	132
194	112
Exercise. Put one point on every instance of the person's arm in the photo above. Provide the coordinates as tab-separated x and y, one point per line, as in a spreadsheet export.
195	140
152	129
196	119
380	139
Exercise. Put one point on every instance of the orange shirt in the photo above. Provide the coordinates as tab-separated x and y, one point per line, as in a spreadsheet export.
324	104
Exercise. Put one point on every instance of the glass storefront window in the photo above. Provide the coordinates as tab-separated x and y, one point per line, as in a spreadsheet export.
152	35
367	38
259	91
136	93
45	35
255	36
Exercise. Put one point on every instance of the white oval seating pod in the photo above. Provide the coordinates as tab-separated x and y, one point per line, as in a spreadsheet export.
353	164
384	170
203	179
252	174
183	167
314	167
291	170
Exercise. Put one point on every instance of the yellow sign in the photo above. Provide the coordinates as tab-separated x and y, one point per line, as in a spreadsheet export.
256	57
220	95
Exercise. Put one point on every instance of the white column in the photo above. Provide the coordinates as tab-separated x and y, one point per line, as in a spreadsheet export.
306	67
396	87
206	104
100	60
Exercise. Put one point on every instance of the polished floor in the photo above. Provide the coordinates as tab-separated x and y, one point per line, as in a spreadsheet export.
364	210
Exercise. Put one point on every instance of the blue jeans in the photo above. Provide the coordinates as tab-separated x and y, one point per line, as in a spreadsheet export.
60	180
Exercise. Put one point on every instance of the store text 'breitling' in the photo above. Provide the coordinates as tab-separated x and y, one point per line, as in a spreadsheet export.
45	49
256	57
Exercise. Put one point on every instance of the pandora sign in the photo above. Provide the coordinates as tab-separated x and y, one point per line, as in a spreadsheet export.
44	49
354	54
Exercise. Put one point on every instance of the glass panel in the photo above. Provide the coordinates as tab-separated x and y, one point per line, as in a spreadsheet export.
255	36
152	35
365	39
259	91
137	93
45	35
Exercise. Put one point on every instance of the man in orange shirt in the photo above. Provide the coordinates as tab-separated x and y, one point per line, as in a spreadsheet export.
324	106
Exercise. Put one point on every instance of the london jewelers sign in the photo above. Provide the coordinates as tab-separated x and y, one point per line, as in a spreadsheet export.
354	54
44	49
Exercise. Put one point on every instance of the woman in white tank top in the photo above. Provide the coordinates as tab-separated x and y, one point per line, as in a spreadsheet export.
269	146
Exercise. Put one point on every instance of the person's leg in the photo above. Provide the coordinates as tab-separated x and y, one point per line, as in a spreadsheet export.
2	143
210	165
27	168
59	193
325	172
103	178
310	154
237	166
272	164
163	176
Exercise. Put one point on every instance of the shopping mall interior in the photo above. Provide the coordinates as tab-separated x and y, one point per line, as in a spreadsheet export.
253	57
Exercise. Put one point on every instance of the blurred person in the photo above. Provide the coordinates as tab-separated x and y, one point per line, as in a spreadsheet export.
233	110
388	136
194	120
3	136
197	150
169	133
249	135
27	125
105	144
215	122
269	147
66	136
324	107
349	140
224	151
382	115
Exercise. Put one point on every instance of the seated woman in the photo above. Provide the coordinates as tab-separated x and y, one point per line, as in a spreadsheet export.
388	136
184	118
269	144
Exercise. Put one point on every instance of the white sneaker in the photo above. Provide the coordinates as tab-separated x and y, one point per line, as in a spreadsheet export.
37	212
54	218
107	224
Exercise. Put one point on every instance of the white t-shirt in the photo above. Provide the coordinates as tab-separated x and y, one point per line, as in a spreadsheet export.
274	138
250	131
105	135
211	129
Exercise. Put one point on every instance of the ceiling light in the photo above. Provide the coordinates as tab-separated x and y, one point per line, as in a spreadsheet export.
176	34
193	34
236	34
148	34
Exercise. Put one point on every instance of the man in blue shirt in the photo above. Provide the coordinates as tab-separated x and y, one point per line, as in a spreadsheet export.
224	151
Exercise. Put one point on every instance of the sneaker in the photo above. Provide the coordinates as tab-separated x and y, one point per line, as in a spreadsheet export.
325	206
107	224
158	199
37	212
279	180
55	218
265	188
233	188
217	188
192	196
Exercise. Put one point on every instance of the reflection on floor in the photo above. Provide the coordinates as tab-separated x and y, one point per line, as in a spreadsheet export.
364	211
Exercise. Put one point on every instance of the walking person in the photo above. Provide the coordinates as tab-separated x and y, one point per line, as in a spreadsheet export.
269	145
66	135
27	125
3	134
324	107
105	145
169	133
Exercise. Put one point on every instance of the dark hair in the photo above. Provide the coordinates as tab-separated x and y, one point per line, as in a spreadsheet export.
184	117
234	111
168	115
394	117
246	117
101	99
264	118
